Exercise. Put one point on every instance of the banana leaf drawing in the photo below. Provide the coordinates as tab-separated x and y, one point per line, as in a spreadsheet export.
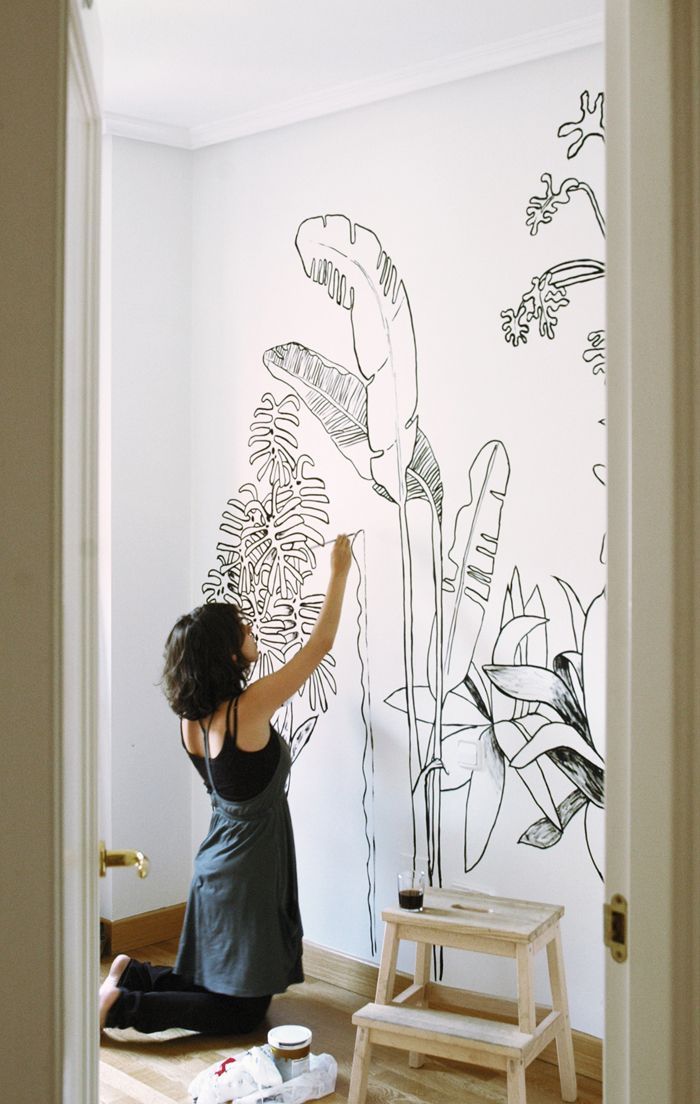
369	410
348	260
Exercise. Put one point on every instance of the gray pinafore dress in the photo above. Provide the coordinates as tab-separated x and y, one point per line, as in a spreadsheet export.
242	930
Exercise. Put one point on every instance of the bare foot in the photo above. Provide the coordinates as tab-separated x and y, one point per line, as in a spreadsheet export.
108	989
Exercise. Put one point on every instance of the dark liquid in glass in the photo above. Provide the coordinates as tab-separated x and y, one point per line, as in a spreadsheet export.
411	898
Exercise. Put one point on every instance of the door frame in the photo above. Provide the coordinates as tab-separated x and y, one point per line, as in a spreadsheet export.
79	625
653	86
653	695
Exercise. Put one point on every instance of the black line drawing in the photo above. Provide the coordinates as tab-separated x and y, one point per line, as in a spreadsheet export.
547	294
594	354
540	720
590	125
368	746
370	413
270	536
466	591
491	712
496	715
267	551
567	725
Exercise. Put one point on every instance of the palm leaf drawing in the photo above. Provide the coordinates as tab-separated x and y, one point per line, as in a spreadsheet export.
576	610
538	684
507	645
569	751
484	799
568	666
458	712
544	833
511	740
301	736
551	737
477	529
336	396
349	261
423	479
593	668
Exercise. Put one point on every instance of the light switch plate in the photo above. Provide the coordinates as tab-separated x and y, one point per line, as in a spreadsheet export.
469	754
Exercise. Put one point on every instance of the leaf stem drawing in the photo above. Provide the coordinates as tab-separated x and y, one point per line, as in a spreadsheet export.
541	209
369	411
546	295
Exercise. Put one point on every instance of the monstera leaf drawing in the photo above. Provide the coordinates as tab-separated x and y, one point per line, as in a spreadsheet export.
349	261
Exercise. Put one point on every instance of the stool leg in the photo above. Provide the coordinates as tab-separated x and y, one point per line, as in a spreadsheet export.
526	988
360	1067
516	1081
387	966
424	953
565	1046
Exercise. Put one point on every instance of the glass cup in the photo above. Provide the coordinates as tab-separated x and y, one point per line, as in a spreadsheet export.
411	890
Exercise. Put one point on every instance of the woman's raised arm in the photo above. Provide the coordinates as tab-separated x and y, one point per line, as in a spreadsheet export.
264	697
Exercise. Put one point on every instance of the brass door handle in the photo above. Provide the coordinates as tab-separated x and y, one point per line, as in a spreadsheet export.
123	858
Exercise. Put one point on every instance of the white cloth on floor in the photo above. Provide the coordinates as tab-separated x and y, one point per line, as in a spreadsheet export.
224	1082
236	1077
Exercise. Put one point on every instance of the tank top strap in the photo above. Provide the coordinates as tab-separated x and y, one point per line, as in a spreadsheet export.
207	757
233	703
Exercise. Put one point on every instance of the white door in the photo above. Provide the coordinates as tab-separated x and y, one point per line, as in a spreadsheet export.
653	769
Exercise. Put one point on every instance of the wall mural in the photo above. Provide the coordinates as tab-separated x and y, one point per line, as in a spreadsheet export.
266	554
571	740
547	293
534	711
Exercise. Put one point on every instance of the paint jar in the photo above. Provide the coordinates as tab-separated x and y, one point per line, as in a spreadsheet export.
291	1047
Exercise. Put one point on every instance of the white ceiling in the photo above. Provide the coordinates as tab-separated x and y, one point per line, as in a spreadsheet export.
205	67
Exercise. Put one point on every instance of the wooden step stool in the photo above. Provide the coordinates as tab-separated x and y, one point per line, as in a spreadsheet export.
470	922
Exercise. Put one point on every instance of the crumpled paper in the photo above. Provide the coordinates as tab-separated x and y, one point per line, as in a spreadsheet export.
253	1078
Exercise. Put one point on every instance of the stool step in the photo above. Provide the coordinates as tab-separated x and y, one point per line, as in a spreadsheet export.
421	1025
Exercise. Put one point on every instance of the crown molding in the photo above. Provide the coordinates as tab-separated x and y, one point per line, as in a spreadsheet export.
147	130
573	35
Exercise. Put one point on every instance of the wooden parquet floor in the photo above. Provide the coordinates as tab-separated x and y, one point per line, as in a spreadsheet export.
157	1069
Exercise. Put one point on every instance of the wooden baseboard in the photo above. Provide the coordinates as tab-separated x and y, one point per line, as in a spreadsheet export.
361	977
143	930
354	975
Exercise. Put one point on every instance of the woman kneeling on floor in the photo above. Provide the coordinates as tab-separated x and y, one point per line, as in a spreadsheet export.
241	938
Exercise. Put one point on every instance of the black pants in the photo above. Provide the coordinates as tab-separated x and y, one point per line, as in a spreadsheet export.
154	998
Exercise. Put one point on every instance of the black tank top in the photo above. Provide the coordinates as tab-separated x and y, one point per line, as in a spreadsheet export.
238	775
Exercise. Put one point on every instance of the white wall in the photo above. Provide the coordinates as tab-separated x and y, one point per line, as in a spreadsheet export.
442	177
150	517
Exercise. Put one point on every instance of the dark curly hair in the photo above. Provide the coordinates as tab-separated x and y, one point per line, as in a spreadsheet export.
199	671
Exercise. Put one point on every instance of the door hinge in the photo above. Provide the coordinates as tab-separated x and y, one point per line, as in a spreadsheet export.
615	927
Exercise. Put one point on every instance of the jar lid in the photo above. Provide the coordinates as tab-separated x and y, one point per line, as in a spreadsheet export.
289	1037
